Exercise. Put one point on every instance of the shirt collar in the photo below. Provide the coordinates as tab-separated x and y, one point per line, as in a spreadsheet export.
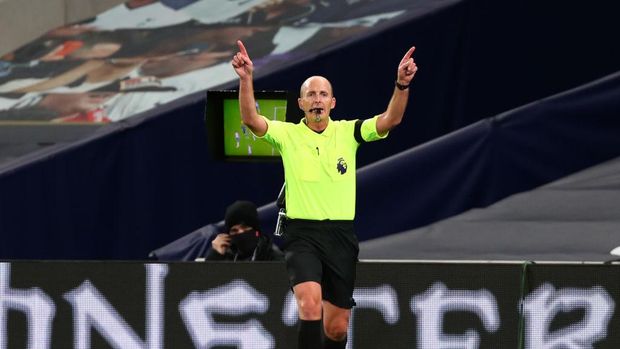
326	131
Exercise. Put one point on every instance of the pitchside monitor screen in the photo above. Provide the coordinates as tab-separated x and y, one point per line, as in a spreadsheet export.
229	138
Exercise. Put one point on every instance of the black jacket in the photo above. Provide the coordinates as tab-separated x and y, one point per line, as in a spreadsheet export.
265	251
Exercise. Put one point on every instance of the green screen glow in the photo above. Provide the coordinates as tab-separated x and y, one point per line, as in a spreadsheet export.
238	139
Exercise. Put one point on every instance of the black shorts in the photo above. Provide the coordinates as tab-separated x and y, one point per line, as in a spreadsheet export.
325	252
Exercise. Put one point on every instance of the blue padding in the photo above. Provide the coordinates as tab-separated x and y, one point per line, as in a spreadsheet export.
189	247
491	159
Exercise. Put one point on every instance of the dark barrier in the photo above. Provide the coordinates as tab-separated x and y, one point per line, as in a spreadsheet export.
399	305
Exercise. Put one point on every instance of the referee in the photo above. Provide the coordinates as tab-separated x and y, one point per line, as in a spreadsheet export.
318	155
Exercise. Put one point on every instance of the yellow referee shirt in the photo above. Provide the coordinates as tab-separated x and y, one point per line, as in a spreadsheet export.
319	168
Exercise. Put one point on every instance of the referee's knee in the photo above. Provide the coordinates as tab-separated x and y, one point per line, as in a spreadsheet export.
308	295
309	308
336	330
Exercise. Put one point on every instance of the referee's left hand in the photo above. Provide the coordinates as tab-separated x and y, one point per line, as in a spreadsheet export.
407	68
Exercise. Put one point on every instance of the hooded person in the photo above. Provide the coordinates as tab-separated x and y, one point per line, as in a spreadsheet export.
242	239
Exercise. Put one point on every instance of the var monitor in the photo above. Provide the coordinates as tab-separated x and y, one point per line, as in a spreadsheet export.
229	138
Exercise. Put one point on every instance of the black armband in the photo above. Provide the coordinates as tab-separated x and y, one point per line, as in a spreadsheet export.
357	132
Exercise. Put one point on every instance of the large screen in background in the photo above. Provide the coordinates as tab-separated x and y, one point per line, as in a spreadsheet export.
229	138
238	139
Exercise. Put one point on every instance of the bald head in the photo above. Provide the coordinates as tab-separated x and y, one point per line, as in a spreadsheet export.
316	99
317	83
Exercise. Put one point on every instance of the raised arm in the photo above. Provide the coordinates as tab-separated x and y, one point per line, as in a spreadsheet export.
396	108
247	104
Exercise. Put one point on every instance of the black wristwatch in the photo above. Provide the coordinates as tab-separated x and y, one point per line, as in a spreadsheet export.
401	87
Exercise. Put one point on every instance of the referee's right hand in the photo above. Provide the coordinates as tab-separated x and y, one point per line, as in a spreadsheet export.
242	63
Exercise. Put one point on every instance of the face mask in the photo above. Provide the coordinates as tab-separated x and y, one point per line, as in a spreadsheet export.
244	243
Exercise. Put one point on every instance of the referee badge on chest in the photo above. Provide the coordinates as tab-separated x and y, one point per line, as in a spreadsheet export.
341	166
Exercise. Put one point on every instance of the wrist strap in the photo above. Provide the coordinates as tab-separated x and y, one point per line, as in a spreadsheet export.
401	87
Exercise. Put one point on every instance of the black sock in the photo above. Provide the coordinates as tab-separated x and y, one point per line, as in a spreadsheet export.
310	333
331	344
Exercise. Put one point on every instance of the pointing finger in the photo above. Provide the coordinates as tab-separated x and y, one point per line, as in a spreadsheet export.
408	54
242	48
